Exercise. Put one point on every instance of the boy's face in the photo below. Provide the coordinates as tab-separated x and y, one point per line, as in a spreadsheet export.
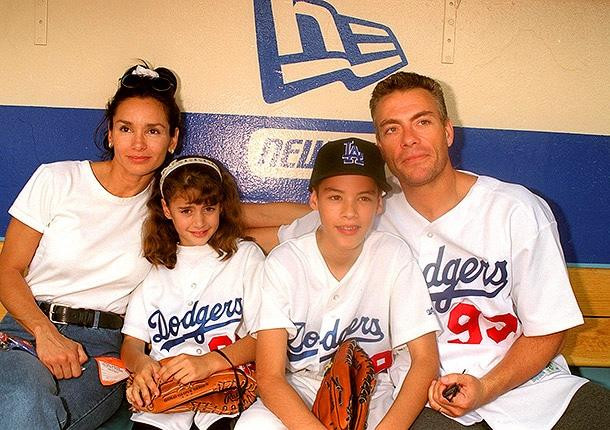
347	205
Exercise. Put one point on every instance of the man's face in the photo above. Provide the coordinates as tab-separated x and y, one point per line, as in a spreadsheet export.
347	205
412	137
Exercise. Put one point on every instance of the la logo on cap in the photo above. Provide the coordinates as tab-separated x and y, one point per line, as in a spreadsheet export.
352	154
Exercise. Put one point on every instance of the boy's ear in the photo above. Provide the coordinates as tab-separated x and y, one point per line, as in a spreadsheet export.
166	211
379	204
313	200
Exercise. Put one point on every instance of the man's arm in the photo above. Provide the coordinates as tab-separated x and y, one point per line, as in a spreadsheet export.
262	220
414	393
257	215
525	359
276	393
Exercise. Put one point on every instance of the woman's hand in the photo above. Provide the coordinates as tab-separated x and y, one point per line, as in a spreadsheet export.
145	384
62	356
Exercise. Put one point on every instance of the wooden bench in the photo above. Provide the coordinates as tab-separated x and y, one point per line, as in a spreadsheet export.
588	344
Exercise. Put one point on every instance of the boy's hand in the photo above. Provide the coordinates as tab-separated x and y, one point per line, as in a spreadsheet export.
186	368
469	396
145	383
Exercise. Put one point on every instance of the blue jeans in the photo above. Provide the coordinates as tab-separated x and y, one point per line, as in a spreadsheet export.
31	398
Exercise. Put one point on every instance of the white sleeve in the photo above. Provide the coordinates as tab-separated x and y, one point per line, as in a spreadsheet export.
34	204
135	324
541	289
299	227
275	306
411	313
252	290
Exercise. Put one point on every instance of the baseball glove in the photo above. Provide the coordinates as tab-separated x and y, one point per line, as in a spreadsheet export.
227	392
342	402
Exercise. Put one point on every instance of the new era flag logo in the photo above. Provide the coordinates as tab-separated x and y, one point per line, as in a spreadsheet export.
305	44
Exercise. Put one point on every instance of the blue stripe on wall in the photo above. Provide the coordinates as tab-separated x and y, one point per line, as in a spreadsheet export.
569	170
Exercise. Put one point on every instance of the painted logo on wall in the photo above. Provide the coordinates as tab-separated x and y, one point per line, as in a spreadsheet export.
306	44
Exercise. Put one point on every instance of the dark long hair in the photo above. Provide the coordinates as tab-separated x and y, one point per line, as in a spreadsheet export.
198	184
130	86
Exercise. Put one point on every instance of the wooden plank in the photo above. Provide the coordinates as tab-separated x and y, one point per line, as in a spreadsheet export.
589	344
592	290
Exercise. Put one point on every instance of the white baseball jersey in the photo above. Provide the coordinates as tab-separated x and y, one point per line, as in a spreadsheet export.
381	302
89	255
202	304
495	270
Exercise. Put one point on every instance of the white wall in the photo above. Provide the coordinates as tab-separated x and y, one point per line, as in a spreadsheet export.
522	64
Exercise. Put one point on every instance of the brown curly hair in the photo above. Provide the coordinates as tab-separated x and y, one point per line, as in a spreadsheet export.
199	184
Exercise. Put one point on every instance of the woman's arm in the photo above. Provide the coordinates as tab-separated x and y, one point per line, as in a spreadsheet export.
414	391
186	368
276	393
62	356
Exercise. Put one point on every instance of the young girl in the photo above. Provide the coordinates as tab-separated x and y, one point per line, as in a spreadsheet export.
200	293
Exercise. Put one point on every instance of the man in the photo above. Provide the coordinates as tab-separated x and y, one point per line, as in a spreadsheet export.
491	256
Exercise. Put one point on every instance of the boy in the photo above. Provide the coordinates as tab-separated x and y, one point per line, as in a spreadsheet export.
342	281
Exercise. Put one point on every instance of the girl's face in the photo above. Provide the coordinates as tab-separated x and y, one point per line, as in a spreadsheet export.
194	223
140	136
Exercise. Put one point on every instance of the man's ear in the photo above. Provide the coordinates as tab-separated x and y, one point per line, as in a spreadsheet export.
313	200
166	211
449	133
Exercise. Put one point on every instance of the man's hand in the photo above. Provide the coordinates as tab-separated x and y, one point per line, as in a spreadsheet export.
470	395
145	384
62	356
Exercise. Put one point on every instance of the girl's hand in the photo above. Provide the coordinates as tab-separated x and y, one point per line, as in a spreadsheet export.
145	385
186	368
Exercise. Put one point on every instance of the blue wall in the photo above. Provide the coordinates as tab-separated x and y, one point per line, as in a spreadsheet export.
569	170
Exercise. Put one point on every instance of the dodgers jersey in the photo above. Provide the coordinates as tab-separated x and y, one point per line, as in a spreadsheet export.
495	270
381	302
202	304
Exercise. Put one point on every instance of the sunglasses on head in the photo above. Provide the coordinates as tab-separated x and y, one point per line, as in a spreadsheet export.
141	75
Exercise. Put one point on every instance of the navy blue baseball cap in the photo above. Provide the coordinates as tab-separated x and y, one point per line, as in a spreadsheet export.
351	156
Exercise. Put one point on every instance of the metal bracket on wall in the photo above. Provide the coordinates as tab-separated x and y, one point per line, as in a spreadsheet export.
449	24
40	37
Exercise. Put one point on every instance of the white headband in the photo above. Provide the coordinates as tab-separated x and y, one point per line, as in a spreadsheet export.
182	162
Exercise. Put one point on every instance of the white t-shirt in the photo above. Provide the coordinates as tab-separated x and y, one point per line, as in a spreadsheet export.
495	270
382	301
202	304
89	255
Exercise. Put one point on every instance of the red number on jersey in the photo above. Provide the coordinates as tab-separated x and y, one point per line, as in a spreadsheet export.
469	316
465	317
382	360
509	325
219	341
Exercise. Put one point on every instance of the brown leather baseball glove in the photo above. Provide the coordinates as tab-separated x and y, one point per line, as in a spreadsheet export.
226	392
342	402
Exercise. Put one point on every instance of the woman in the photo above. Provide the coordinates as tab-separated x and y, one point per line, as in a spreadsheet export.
76	227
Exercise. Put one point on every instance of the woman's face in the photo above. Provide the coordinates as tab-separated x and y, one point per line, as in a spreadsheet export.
140	136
